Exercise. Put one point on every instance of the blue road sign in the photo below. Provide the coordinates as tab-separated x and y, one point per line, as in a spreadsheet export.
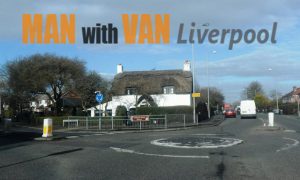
99	97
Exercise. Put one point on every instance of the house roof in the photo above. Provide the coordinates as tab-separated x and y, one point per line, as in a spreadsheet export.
71	94
71	98
151	82
295	91
39	97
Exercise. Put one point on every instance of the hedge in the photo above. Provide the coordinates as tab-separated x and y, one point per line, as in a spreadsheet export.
164	110
56	120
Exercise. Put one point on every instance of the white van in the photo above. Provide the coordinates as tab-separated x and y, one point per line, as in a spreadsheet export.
248	109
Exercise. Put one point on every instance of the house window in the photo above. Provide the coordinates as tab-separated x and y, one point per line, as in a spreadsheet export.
168	89
131	91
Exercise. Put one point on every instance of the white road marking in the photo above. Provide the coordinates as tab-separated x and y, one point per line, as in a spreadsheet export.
98	134
108	133
157	155
209	134
72	137
289	146
263	121
290	130
85	135
204	145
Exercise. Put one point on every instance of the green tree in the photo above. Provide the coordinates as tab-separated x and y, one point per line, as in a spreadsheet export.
252	89
261	101
48	74
86	87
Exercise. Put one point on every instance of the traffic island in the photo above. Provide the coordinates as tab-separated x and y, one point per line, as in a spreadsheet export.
53	138
47	132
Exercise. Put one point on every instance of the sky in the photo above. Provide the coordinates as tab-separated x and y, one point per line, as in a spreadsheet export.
229	70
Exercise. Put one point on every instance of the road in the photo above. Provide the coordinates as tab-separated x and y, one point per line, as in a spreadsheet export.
236	149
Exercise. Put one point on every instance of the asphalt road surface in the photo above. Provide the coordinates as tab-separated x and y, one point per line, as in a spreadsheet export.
236	149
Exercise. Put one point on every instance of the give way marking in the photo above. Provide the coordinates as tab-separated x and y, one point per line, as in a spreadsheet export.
289	146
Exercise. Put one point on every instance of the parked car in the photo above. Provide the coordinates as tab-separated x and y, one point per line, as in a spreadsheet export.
278	111
230	113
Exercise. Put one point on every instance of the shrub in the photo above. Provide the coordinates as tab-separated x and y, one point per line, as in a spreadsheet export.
289	108
164	110
56	120
121	111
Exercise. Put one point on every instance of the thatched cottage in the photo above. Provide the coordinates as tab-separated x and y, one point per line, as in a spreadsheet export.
148	88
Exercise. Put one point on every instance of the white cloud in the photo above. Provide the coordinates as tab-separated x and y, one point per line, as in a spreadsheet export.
230	74
232	13
235	73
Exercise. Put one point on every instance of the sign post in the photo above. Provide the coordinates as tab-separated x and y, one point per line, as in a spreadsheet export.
99	99
140	119
194	96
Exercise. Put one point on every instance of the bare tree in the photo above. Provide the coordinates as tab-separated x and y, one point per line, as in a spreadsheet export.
47	73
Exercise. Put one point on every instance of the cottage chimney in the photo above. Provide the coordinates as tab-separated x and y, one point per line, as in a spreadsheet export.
119	68
187	66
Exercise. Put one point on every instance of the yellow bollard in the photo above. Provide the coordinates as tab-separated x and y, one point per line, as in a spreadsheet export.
47	130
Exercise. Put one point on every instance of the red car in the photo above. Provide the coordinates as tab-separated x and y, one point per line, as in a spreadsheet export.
230	113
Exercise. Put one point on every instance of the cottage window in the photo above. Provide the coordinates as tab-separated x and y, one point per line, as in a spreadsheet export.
130	91
168	89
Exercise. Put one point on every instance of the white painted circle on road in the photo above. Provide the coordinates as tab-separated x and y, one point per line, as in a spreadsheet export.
200	142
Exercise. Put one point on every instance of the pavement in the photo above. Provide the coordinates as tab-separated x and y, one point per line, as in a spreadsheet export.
235	149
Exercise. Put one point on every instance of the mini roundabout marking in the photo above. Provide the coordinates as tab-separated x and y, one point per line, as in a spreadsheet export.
201	141
196	141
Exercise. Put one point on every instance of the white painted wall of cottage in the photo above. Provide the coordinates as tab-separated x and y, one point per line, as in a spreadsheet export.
162	100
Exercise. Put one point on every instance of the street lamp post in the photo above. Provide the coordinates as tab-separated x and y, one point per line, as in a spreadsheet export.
277	106
298	101
194	101
208	95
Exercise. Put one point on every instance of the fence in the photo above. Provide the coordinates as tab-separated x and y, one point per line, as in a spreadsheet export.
123	123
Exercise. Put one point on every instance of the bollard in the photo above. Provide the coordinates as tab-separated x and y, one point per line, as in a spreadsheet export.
47	130
271	119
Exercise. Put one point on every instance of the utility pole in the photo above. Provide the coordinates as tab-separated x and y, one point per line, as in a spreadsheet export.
276	94
277	100
208	96
298	101
0	105
194	102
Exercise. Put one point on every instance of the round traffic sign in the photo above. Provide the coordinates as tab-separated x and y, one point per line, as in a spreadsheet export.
99	97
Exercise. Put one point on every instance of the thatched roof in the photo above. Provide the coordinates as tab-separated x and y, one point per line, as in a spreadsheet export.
152	82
